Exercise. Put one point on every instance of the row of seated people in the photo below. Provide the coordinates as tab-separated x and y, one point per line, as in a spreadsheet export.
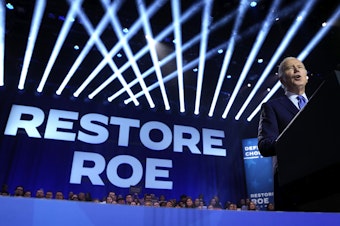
147	200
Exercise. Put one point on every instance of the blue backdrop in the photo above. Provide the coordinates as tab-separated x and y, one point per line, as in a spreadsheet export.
52	138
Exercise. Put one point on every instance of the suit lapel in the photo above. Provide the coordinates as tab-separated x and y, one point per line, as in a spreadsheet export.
289	105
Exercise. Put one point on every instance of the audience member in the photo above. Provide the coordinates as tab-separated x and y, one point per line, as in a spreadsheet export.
74	197
59	195
252	206
216	205
40	193
27	194
169	204
148	203
128	199
270	207
147	197
189	203
108	200
19	191
4	190
81	196
49	195
70	195
120	200
88	197
149	200
232	206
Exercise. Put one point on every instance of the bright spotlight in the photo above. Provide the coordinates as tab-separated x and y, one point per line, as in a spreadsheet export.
253	3
9	6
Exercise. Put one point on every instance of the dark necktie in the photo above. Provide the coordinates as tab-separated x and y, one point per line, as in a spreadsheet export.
301	101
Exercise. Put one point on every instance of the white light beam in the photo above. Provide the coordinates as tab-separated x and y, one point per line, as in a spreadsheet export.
32	37
2	40
285	42
176	11
206	18
61	38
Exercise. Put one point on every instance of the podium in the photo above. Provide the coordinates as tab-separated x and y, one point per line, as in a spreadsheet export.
308	152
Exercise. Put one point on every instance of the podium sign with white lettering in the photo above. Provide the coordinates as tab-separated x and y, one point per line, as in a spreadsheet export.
259	174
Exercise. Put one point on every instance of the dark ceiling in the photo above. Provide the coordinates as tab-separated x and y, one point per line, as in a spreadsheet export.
321	61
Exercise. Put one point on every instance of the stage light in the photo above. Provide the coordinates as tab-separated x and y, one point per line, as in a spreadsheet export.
59	43
202	46
2	43
321	33
270	94
9	6
202	54
35	25
189	13
194	40
228	55
94	39
129	54
268	22
151	44
163	34
176	12
253	4
283	45
122	41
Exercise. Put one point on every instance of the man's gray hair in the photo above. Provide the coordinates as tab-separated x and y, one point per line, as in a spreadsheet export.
281	69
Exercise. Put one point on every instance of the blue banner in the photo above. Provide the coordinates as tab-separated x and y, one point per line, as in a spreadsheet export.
65	145
259	174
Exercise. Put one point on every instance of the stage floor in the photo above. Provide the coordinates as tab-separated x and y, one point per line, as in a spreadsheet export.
42	212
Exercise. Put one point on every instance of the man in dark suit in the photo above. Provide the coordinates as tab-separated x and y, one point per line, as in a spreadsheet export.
276	114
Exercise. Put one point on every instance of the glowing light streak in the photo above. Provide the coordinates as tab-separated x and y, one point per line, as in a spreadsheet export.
132	31
188	44
94	39
2	41
268	96
270	19
241	12
61	38
194	62
163	34
305	52
176	8
32	37
118	30
154	57
203	49
322	32
283	45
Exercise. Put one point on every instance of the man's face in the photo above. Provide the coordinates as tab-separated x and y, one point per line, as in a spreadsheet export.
295	74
